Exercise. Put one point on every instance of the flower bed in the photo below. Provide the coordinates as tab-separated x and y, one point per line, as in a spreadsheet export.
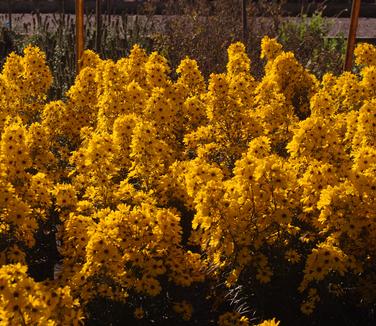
170	197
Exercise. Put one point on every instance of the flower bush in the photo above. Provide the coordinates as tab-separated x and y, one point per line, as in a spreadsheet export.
164	195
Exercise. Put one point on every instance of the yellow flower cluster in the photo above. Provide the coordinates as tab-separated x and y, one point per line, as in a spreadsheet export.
154	181
271	322
24	83
25	302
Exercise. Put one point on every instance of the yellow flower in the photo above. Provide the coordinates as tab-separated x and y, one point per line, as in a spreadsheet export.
139	313
270	322
292	256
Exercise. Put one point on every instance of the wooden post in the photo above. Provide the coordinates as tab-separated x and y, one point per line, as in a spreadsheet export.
244	21
79	33
98	22
352	34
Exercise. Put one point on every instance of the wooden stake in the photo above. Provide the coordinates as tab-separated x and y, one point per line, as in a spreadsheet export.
79	33
352	34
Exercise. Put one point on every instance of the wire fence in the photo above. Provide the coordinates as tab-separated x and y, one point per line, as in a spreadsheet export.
291	7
